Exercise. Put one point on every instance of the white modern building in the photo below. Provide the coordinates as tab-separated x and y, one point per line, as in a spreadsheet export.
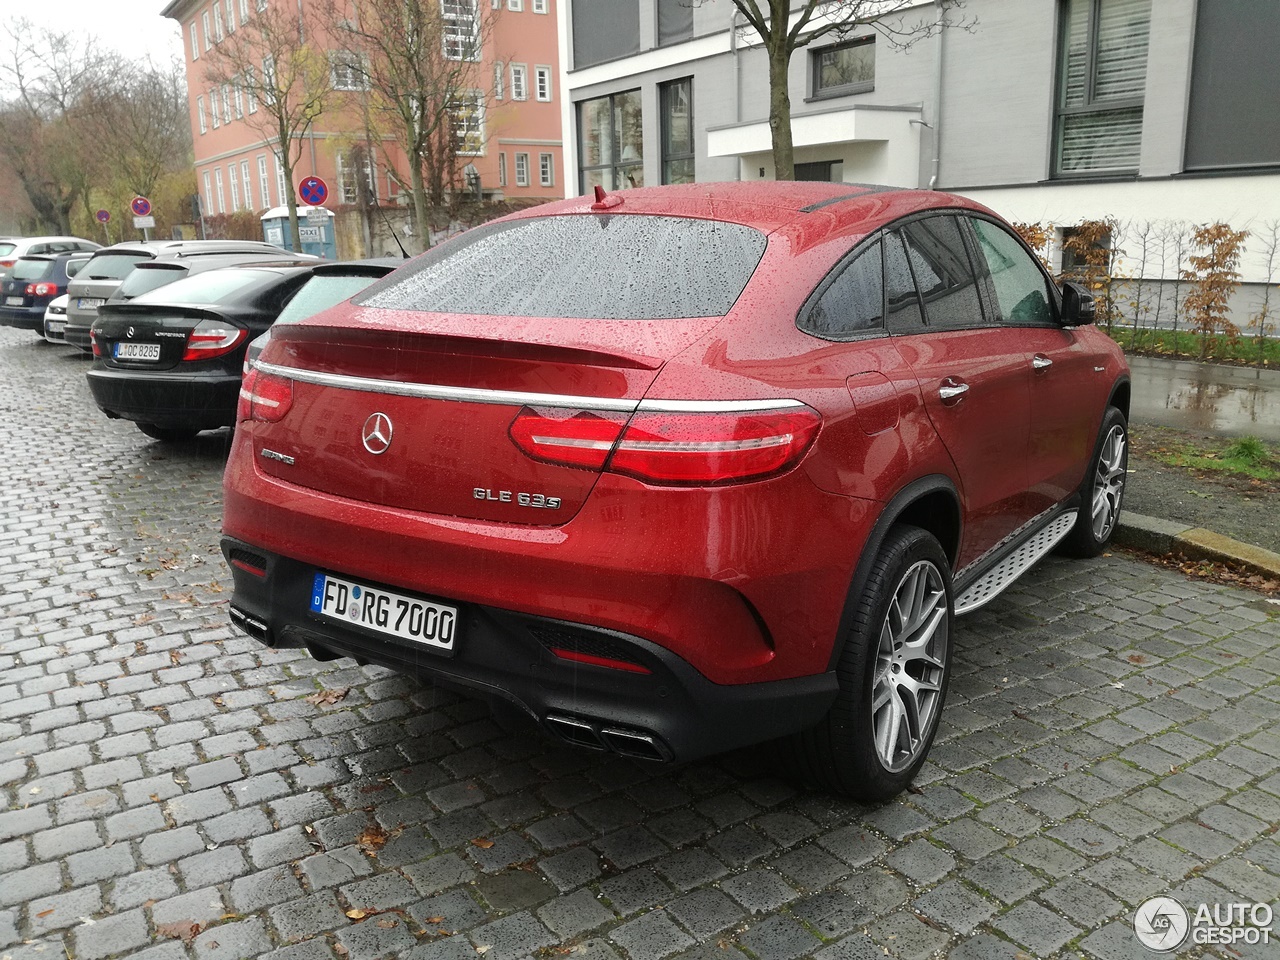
1051	111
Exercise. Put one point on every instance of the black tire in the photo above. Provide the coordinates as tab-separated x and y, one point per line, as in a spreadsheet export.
166	434
1102	492
840	754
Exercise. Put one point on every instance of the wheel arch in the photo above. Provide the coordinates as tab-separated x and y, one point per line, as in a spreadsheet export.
1121	393
931	503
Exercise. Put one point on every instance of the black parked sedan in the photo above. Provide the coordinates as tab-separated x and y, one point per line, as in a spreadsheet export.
171	360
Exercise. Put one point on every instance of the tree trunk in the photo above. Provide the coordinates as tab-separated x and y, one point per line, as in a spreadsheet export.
290	197
422	220
780	112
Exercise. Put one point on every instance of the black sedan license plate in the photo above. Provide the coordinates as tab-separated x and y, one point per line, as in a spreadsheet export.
137	351
382	611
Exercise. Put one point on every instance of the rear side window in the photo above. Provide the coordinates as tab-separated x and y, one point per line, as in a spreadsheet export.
605	266
852	303
32	269
145	279
75	266
940	263
6	249
901	300
1022	293
111	266
321	293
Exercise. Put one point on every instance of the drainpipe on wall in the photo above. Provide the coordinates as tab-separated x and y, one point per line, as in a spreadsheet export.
737	67
937	94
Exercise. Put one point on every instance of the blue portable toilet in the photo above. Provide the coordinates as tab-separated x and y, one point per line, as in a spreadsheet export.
317	237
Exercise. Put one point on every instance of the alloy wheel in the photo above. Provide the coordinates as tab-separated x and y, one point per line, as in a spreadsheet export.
1108	486
906	691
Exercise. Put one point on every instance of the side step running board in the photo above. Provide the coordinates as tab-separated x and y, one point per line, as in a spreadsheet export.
993	583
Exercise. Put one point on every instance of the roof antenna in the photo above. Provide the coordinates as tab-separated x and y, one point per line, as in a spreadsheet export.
604	201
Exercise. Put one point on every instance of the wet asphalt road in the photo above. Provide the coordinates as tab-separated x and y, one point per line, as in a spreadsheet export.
171	789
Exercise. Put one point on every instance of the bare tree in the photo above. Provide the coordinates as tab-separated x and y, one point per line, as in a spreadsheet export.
49	74
784	30
285	73
1265	318
419	64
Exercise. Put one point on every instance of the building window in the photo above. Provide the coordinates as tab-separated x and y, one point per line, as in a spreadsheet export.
233	177
282	188
519	82
1102	78
204	19
347	71
262	4
502	169
348	182
675	21
611	142
676	100
231	16
195	40
540	6
239	103
217	21
248	184
1231	64
251	89
226	103
268	80
499	80
515	5
204	125
217	182
823	171
208	194
264	184
844	68
213	108
460	29
522	169
604	30
244	10
467	112
546	169
542	83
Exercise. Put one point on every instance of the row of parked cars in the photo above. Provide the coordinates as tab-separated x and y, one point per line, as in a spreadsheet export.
169	322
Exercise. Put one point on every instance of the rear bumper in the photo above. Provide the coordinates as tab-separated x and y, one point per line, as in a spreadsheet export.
669	712
54	329
24	318
78	333
200	401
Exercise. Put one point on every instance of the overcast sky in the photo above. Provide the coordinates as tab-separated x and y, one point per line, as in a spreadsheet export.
131	26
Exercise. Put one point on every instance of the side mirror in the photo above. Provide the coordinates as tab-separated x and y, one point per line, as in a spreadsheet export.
1077	305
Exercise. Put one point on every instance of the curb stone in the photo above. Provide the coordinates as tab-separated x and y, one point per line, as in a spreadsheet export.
1156	535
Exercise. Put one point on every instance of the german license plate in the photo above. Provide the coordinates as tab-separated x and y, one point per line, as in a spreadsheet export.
137	351
13	301
56	326
86	302
383	611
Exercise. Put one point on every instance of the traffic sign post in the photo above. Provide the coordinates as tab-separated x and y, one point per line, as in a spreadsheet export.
142	218
313	191
102	217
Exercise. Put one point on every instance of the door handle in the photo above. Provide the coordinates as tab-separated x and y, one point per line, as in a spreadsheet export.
952	391
1041	362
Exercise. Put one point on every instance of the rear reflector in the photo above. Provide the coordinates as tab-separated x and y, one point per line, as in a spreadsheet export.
670	449
264	397
578	657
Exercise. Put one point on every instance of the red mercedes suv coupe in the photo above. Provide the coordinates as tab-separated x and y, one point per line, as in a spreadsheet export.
682	469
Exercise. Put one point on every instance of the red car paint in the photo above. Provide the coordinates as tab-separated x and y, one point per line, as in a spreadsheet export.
746	582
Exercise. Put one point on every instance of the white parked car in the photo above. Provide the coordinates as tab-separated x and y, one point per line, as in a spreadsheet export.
13	249
55	320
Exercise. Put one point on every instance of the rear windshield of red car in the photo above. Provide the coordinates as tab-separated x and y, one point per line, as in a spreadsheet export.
33	269
606	266
111	266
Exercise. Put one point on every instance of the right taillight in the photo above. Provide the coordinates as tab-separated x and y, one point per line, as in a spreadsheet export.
685	448
263	396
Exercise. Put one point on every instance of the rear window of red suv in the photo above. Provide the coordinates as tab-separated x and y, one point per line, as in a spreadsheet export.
605	267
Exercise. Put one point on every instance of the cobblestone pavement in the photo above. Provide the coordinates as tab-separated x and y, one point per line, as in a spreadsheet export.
169	790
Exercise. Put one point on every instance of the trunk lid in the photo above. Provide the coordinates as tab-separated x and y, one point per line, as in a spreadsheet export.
449	387
146	330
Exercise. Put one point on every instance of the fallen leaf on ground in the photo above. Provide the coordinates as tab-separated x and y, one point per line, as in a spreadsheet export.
185	930
435	919
372	838
484	843
330	695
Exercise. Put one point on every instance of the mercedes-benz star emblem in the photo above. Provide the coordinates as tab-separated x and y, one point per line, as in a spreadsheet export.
131	333
377	433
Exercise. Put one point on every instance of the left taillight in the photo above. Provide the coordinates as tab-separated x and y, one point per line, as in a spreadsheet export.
671	448
213	338
263	396
93	341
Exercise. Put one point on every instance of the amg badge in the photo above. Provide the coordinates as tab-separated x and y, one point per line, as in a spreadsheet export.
522	499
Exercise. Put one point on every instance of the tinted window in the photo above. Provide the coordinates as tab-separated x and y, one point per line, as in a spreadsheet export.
112	266
75	266
31	269
214	287
902	302
609	267
321	293
942	272
853	302
146	279
1021	289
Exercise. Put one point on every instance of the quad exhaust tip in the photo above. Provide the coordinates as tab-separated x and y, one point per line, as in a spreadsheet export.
623	741
251	625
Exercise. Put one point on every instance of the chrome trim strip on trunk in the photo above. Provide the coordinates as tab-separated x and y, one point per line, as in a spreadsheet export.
518	398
